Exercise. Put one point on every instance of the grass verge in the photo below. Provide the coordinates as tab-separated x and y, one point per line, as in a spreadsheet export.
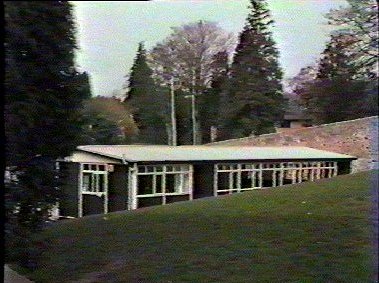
310	232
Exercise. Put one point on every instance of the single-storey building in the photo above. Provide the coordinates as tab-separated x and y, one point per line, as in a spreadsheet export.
105	178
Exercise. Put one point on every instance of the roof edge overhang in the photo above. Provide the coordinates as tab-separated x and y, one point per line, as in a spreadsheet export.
347	158
246	160
102	155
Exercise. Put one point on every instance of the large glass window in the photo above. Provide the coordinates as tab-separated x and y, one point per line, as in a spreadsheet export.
94	178
241	176
160	184
163	179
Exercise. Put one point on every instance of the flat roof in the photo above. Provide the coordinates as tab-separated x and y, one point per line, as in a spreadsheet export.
153	153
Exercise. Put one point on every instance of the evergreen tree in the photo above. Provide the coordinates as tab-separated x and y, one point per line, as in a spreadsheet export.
254	92
209	101
148	102
43	97
338	93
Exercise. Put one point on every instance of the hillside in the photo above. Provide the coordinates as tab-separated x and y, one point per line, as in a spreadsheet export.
310	232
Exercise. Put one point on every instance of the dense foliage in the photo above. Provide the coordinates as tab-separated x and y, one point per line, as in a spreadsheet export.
210	104
148	102
254	100
43	97
345	84
108	121
359	20
336	94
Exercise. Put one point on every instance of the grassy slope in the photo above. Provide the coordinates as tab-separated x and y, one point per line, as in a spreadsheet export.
311	232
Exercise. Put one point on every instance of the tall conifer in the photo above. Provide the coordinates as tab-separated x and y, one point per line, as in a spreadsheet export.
210	100
338	93
148	103
43	98
254	91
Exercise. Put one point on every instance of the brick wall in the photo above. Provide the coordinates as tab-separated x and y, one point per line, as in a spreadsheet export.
354	137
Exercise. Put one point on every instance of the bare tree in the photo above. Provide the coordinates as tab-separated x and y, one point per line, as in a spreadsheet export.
187	56
188	52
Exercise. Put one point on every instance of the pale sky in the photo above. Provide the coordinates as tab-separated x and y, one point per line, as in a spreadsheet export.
109	31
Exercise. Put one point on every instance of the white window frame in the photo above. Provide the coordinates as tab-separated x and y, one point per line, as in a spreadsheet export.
183	175
95	172
298	170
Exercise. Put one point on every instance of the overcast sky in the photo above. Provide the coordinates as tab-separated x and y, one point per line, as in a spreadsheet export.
109	31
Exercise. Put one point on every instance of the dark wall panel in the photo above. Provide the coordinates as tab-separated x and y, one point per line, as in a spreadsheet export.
145	202
69	177
171	199
93	205
118	188
344	167
203	180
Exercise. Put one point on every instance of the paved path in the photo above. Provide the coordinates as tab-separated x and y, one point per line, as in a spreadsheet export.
11	276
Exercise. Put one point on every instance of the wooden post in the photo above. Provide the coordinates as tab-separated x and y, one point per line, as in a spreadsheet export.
307	172
239	167
190	181
318	172
231	179
335	171
164	184
281	175
105	192
194	137
293	173
300	172
134	186
80	189
215	180
154	183
173	114
322	170
129	188
260	176
253	176
330	169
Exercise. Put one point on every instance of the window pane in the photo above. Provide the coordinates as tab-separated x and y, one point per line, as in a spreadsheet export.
184	168
145	184
185	184
158	184
101	168
267	178
178	183
223	181
85	166
170	183
246	180
141	169
93	183
87	182
235	180
174	183
176	168
101	180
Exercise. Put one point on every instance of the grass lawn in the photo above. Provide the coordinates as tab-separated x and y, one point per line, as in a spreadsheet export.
310	232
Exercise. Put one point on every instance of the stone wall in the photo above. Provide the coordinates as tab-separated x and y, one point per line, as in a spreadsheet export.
358	138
